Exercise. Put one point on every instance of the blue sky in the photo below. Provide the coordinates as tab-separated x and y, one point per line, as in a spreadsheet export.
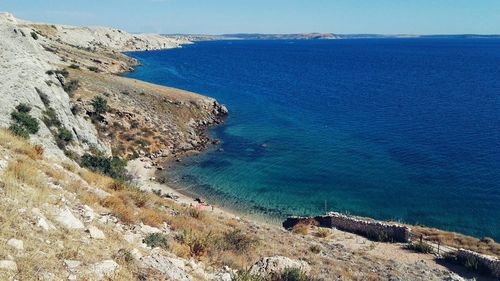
269	16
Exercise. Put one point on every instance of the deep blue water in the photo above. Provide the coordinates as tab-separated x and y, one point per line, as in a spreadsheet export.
404	129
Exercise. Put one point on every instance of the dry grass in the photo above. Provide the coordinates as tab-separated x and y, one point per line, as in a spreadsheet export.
119	208
151	217
456	240
95	179
323	232
301	229
20	145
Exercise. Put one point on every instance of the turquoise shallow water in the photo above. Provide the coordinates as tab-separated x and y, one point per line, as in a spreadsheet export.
404	129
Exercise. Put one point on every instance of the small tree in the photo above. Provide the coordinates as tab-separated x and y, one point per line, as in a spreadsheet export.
100	105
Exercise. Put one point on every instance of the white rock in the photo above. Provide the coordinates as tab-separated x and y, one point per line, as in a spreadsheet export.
68	220
271	266
8	265
146	229
71	264
3	165
136	254
16	244
88	213
131	237
72	277
222	276
44	224
165	265
104	268
96	233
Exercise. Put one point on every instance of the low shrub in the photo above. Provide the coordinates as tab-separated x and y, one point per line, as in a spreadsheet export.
245	275
63	137
110	166
64	73
293	274
74	66
34	35
237	241
198	243
323	232
124	255
94	69
420	247
315	249
195	213
488	240
76	109
301	229
154	240
19	130
100	105
50	118
24	124
23	108
71	86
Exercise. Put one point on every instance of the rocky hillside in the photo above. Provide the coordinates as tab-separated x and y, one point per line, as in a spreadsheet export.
53	69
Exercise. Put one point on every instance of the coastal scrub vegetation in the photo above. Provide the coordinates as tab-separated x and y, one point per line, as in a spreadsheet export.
24	124
455	240
110	166
289	274
154	240
71	86
100	105
420	247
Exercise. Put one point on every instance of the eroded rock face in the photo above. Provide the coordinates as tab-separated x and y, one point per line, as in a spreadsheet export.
165	265
23	67
272	266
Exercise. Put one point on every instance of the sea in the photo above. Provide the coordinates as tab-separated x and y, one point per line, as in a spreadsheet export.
393	129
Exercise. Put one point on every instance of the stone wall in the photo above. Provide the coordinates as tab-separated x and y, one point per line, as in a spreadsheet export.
484	262
372	229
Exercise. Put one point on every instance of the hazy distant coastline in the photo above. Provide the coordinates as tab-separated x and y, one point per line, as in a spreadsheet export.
317	36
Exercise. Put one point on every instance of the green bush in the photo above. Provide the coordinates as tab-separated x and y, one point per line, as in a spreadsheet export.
50	119
125	255
245	275
65	135
156	240
34	35
24	108
198	243
420	247
293	274
111	166
19	130
100	105
24	119
74	66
